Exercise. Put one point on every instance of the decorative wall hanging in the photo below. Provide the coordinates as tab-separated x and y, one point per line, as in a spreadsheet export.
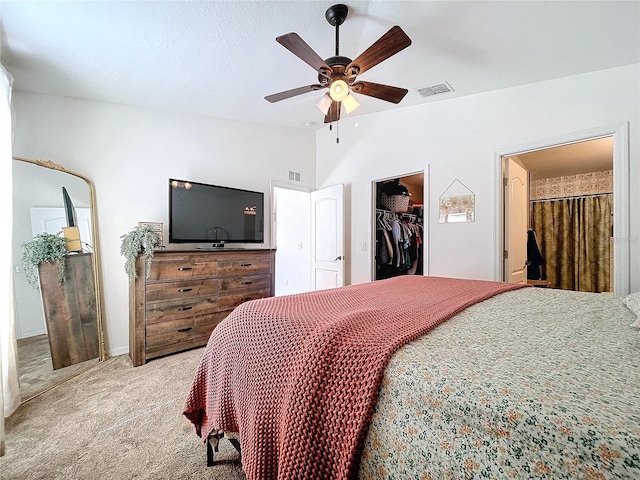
457	204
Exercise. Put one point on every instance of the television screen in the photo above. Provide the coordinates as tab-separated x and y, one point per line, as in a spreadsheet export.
201	213
69	209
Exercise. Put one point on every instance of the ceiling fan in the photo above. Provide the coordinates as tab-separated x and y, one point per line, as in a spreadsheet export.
339	73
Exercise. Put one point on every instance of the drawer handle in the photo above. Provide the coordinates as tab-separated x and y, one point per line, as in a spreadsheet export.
184	308
246	283
185	329
181	290
245	264
182	269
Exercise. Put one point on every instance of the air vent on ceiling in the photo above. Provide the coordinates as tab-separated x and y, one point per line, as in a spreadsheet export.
295	176
435	89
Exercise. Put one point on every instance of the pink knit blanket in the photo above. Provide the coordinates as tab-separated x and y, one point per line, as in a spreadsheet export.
298	376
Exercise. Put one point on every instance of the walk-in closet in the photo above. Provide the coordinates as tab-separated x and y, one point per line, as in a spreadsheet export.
400	234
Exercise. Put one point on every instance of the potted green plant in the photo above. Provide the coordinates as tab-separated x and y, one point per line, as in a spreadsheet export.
141	240
44	247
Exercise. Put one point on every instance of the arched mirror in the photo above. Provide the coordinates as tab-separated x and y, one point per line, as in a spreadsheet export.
59	324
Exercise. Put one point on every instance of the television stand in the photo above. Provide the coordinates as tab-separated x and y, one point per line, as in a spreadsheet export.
177	303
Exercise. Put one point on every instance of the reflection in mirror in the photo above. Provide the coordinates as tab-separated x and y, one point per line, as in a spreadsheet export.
58	326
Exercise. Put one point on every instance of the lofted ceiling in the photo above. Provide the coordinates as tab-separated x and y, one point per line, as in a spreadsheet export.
221	59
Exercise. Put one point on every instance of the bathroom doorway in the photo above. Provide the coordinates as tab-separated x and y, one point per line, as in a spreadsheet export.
619	135
569	234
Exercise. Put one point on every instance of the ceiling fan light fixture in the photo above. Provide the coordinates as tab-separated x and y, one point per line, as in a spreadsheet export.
324	104
350	104
339	90
338	73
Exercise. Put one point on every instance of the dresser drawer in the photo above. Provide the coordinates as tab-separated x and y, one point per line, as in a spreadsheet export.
177	269
251	282
174	335
232	298
188	292
183	289
244	265
161	311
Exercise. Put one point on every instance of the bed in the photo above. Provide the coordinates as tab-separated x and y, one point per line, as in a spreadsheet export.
426	378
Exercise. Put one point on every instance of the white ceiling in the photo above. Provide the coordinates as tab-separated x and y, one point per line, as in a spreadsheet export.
220	58
572	159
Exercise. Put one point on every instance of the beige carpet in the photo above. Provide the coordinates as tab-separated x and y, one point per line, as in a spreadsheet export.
114	422
35	367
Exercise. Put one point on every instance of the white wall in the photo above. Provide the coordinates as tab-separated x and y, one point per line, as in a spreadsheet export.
458	138
129	153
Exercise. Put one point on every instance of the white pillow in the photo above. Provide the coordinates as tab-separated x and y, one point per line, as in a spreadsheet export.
632	301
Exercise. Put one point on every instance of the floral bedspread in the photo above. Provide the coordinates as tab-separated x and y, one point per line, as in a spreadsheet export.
507	390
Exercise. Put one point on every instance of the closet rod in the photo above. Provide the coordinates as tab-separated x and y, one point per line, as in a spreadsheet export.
411	216
604	194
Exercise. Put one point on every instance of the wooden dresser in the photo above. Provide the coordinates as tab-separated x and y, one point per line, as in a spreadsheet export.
188	293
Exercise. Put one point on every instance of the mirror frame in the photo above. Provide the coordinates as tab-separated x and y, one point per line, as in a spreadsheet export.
97	277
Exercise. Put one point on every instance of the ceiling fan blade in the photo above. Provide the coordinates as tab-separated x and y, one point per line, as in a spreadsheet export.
387	45
377	90
276	97
333	115
297	46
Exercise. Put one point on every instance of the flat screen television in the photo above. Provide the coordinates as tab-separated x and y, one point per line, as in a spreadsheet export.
202	213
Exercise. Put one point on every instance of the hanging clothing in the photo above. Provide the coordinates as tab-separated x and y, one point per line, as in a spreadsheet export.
382	252
534	257
398	244
395	230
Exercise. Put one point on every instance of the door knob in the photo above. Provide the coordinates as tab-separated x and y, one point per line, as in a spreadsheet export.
339	257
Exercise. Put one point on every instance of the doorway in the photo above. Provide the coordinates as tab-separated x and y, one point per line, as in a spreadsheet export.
572	172
399	233
291	237
308	235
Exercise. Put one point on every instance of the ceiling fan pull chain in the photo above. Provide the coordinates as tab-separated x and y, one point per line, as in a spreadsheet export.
337	132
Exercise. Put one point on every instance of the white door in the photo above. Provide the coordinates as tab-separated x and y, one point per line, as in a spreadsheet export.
327	238
516	222
53	219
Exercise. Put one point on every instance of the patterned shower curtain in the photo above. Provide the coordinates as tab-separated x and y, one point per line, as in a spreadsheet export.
574	235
